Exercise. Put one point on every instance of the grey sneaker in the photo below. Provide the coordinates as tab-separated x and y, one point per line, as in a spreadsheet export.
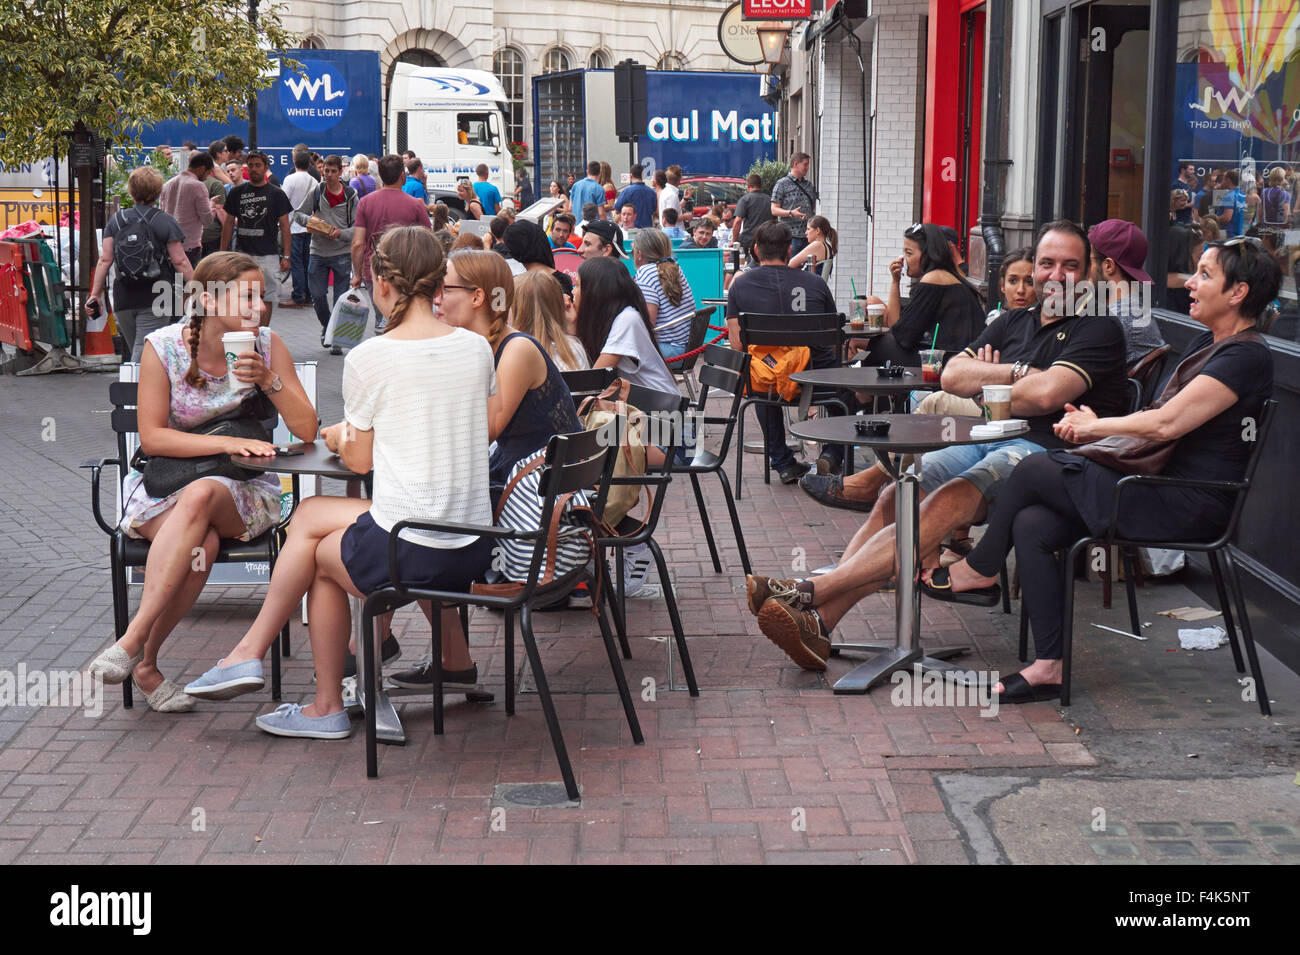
420	677
637	566
226	683
288	720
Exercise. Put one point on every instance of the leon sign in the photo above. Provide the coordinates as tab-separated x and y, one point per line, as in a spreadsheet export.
778	9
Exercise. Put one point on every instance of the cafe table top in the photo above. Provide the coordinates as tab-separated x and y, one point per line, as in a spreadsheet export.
315	459
908	433
865	378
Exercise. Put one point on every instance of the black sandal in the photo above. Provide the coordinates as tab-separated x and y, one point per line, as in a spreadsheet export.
939	586
1016	689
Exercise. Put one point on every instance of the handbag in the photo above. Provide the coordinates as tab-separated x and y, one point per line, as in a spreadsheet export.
601	412
568	545
164	476
1130	454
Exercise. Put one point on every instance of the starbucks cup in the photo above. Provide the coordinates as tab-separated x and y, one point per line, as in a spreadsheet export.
876	315
997	402
234	344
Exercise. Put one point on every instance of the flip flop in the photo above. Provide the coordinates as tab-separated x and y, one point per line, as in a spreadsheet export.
1016	689
939	586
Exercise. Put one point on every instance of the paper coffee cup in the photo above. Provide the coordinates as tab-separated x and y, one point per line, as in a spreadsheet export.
997	402
234	344
876	315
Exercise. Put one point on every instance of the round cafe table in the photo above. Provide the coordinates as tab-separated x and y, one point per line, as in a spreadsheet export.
908	434
859	378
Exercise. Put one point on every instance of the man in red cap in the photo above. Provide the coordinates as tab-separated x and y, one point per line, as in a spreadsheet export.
1119	250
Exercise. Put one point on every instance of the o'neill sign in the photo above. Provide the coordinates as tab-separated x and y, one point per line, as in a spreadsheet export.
778	9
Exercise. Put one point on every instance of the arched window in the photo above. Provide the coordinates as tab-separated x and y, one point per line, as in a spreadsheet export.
312	43
671	61
508	65
599	60
415	58
556	60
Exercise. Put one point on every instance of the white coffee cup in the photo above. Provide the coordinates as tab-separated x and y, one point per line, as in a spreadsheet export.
876	315
997	402
234	344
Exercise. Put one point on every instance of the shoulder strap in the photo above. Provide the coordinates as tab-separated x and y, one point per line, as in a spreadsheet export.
527	469
1193	364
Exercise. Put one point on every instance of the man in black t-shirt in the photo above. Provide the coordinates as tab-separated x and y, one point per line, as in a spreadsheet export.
1073	359
257	212
753	209
776	289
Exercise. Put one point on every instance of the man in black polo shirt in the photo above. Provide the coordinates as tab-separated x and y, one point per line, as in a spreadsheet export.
776	289
1074	359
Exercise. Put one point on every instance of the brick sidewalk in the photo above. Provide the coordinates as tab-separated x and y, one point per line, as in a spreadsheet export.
765	766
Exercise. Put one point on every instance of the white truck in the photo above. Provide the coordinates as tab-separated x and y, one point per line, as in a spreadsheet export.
454	120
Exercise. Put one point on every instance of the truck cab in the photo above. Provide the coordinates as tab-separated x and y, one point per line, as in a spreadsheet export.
453	120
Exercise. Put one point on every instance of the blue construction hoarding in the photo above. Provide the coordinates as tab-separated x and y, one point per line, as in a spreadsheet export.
334	105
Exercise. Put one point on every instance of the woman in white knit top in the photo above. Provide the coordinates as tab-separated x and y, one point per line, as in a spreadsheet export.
416	410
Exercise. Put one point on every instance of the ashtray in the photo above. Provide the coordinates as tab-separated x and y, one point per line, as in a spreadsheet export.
890	371
872	429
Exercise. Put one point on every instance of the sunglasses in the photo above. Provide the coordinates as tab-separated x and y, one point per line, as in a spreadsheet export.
1250	240
914	229
466	288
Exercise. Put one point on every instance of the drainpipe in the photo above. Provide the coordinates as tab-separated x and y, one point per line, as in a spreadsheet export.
990	209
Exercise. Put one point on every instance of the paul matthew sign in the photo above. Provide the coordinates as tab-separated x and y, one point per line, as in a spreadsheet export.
778	9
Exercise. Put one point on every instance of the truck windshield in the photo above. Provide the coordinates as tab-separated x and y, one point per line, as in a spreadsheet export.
472	129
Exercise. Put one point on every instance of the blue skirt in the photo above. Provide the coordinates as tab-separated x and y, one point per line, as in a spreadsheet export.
365	555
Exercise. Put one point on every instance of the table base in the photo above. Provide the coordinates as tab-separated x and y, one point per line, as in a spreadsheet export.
890	658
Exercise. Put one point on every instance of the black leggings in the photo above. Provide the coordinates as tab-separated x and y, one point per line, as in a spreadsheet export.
1035	512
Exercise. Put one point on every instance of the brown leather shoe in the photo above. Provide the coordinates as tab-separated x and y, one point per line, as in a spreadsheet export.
759	590
829	490
796	632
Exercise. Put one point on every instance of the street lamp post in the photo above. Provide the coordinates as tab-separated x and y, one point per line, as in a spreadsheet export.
252	102
772	37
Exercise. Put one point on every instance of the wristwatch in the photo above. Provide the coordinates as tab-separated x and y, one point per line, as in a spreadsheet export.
276	384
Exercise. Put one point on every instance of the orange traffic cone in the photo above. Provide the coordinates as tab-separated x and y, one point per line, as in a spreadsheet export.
99	342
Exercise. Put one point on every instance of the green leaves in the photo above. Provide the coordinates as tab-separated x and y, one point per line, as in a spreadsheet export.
118	67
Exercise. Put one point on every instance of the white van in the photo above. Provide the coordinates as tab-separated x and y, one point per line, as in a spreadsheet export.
453	120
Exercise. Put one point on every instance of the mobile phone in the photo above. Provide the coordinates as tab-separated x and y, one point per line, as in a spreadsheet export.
287	452
92	309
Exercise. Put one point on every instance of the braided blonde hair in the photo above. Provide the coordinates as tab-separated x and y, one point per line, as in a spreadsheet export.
489	272
410	259
214	275
655	246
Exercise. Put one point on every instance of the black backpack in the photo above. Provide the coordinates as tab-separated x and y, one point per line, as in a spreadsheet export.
135	248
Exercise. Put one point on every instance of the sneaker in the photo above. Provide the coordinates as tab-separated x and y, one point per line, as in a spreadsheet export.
637	564
580	597
336	350
226	683
420	677
797	632
760	590
289	720
827	464
388	652
792	472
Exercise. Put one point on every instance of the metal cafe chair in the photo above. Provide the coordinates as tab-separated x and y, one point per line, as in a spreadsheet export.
574	462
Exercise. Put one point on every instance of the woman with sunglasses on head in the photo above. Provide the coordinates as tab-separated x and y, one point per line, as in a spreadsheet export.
416	405
1211	408
943	309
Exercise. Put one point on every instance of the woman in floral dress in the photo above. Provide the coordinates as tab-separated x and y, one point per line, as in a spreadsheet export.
183	383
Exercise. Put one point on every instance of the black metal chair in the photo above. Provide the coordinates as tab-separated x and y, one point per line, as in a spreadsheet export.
683	367
726	370
588	381
794	330
124	552
665	414
1228	586
574	462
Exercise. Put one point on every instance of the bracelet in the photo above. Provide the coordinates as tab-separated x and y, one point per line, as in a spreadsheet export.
1015	372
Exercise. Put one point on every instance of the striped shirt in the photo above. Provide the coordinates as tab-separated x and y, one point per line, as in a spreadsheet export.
647	278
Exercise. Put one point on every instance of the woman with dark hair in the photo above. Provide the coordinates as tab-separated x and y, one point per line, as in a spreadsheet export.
528	245
1054	498
823	242
943	310
1015	282
1185	245
614	325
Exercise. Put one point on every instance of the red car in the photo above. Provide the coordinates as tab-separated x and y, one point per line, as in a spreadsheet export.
704	191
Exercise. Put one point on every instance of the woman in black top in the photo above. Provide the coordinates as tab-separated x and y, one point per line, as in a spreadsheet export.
1054	498
940	296
1185	246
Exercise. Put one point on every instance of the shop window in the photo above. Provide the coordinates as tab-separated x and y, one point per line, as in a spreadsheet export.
1236	138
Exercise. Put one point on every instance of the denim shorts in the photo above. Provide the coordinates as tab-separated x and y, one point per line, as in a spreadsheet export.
987	466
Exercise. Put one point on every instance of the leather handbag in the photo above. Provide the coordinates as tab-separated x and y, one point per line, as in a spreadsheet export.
601	412
1130	454
164	476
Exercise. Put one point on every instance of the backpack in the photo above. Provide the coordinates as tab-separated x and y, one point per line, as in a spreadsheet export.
771	366
135	248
